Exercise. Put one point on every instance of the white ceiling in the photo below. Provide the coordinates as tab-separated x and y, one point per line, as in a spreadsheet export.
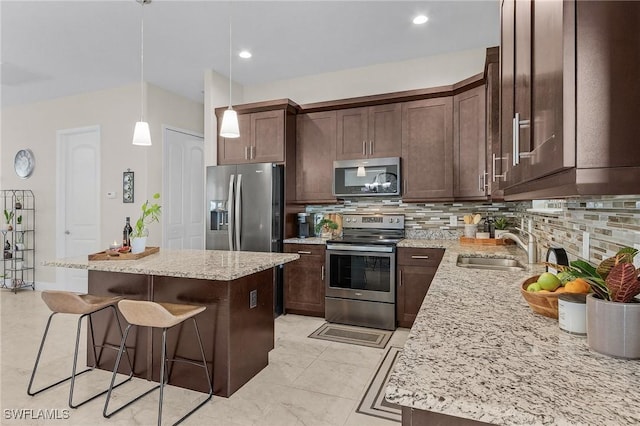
59	48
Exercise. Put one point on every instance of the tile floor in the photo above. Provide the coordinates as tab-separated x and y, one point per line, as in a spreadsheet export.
308	381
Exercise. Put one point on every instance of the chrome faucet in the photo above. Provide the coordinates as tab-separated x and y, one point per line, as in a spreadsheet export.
531	248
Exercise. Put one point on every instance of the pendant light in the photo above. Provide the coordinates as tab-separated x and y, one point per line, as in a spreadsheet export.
141	134
230	127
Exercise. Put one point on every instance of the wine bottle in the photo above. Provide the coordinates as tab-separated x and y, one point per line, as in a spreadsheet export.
126	233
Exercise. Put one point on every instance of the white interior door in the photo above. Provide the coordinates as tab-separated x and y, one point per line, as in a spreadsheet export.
183	190
78	201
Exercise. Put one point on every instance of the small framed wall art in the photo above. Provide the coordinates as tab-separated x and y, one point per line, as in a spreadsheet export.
127	186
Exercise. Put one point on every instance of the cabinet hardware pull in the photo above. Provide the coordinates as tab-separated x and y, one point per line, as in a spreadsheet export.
485	184
370	147
480	182
252	156
493	169
406	187
364	148
246	155
322	273
400	277
516	137
419	257
303	252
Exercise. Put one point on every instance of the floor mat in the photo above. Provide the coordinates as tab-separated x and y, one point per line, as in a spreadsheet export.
373	402
354	335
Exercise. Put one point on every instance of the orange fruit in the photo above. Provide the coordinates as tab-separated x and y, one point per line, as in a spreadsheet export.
560	290
577	286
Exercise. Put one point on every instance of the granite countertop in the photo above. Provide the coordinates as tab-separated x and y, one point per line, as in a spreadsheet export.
202	264
477	351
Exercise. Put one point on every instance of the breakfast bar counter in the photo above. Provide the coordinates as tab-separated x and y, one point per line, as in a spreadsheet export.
477	352
237	327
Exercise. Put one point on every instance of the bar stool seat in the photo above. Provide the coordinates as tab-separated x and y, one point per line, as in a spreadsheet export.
163	316
85	305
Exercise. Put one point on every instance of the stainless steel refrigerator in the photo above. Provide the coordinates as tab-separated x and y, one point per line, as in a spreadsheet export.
246	211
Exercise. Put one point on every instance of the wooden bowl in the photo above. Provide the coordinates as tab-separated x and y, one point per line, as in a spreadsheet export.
541	303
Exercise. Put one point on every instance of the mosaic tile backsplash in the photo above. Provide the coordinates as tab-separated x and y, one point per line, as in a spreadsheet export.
611	222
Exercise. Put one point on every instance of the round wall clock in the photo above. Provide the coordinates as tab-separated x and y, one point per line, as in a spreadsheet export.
24	163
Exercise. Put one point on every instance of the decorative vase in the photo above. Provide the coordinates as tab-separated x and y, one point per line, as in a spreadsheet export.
613	328
470	230
138	244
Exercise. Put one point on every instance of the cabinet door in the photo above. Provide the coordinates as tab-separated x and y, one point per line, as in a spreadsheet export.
503	163
469	144
547	151
316	150
413	284
427	149
385	131
304	280
267	137
493	131
236	150
353	141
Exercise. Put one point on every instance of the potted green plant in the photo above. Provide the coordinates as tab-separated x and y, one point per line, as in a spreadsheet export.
613	312
8	215
150	214
326	227
501	224
19	223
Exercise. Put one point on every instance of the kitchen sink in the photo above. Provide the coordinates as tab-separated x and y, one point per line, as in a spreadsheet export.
494	263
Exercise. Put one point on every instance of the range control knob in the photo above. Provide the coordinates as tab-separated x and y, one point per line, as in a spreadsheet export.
397	220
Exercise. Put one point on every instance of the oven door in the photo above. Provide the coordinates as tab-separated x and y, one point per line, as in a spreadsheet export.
361	273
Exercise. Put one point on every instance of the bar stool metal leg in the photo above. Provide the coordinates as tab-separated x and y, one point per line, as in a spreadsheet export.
74	372
163	376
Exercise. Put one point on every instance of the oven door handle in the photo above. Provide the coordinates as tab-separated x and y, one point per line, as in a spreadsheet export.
351	247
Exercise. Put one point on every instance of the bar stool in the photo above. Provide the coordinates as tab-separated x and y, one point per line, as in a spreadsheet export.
164	316
85	305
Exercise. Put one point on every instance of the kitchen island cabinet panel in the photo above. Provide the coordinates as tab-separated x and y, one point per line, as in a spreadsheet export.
316	151
427	149
304	289
236	336
416	269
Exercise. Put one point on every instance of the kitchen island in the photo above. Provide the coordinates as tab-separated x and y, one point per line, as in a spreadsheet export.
237	327
477	354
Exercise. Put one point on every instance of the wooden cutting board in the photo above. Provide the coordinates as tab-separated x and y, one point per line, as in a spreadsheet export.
123	256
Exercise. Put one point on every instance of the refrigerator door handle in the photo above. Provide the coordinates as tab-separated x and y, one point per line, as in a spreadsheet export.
238	212
231	205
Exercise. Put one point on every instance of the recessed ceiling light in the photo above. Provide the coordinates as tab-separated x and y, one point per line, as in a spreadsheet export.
245	54
420	19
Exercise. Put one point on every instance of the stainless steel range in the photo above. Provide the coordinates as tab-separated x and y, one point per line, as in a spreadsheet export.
361	271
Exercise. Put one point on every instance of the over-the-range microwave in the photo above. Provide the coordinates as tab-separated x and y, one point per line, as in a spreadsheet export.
374	177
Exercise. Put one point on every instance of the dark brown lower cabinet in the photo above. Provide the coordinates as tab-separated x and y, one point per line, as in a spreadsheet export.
415	417
416	269
304	280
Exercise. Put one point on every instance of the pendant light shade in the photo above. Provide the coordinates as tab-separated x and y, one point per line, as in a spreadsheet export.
141	134
230	127
361	172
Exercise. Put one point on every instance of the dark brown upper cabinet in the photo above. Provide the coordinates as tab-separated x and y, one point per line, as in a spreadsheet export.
569	92
427	149
316	150
469	144
261	139
369	132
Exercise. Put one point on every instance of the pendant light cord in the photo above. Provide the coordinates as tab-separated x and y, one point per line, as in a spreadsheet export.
230	79
142	2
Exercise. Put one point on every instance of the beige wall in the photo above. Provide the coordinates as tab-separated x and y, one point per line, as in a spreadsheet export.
419	73
34	126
